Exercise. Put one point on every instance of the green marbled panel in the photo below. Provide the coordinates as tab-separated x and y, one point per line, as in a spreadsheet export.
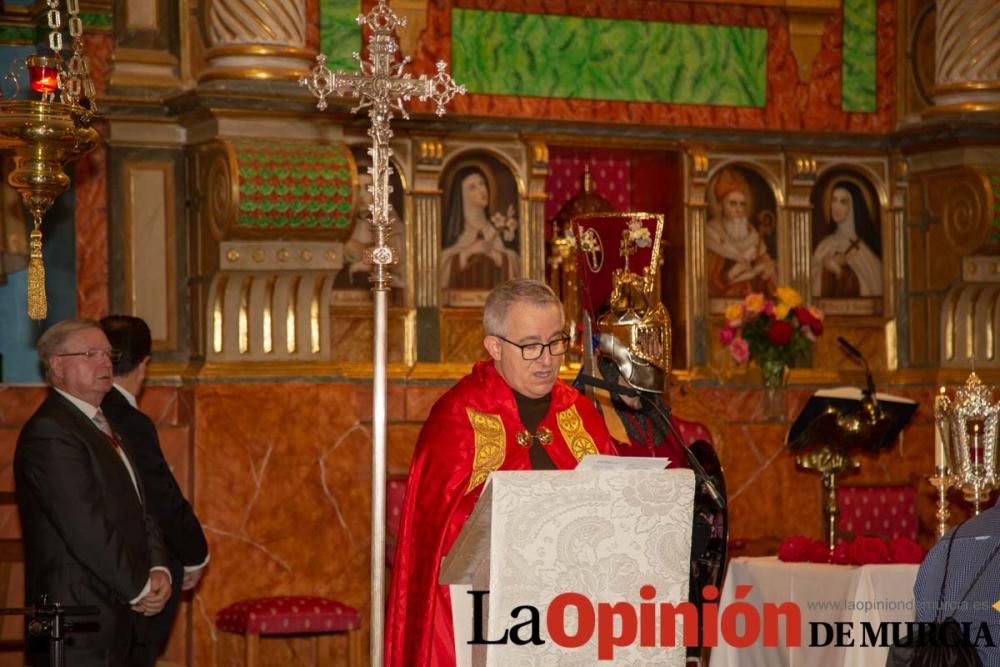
506	53
339	33
858	88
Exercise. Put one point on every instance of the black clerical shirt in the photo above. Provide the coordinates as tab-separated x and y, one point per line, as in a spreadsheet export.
532	411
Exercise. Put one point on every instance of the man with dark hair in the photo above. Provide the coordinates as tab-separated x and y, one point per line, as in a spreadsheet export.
88	537
182	532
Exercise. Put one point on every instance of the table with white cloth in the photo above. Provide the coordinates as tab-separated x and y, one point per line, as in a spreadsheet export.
825	594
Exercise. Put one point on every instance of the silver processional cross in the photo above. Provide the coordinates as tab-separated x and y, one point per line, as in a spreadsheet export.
381	87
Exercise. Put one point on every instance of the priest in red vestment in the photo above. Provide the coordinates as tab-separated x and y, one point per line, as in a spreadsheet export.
510	413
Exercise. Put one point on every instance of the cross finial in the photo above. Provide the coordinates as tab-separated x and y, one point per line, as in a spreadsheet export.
383	87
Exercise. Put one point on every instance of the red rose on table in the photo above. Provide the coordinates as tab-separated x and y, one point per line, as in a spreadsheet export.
905	550
818	552
795	549
869	550
780	332
842	554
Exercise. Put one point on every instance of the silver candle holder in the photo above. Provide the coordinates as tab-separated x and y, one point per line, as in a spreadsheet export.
965	439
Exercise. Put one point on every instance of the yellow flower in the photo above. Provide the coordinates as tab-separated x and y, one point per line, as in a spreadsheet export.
734	314
781	311
789	297
754	302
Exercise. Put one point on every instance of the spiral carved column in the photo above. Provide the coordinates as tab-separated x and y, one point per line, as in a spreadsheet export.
256	39
967	68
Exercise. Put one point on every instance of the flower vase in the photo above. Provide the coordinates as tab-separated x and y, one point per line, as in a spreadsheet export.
774	380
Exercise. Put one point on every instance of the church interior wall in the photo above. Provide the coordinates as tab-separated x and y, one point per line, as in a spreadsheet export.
275	453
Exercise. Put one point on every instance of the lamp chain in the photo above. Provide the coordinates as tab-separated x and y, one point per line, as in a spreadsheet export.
55	26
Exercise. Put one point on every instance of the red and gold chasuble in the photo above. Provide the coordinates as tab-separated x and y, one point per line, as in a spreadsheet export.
471	432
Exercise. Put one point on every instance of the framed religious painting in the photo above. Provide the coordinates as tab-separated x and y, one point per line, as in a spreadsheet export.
351	285
846	271
741	244
480	229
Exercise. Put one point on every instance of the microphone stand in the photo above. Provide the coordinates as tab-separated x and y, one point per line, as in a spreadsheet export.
48	618
868	400
662	411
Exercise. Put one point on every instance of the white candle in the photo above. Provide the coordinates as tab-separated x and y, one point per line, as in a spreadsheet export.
939	454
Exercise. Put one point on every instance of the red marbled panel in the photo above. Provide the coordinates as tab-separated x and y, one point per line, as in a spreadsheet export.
791	105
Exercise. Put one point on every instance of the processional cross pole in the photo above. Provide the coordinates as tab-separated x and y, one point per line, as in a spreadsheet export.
381	87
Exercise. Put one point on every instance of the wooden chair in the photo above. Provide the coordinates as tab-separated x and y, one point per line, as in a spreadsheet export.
321	618
11	560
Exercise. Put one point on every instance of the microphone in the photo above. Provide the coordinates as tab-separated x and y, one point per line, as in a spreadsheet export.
870	381
851	350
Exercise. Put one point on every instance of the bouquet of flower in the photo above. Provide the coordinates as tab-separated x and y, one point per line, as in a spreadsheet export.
771	332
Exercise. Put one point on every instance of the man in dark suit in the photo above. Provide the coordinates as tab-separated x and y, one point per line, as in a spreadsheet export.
182	533
87	537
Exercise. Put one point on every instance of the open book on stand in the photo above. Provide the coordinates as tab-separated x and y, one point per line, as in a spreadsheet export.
837	416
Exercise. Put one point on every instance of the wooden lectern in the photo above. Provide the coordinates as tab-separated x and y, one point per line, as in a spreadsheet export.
601	533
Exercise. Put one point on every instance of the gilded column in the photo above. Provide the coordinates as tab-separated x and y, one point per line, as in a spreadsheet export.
256	39
698	283
800	229
696	215
967	67
535	210
427	236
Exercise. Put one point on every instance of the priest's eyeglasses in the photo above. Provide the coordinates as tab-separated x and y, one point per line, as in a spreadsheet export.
533	351
92	354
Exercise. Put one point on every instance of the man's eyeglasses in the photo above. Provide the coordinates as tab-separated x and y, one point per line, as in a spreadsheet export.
113	355
533	351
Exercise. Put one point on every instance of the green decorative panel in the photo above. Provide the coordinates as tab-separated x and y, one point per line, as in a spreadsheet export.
535	55
339	33
294	186
18	34
93	20
858	87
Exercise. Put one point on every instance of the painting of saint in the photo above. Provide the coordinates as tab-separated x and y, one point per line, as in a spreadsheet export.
480	235
739	239
847	250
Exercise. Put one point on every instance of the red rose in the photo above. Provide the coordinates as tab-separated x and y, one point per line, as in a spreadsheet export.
780	332
842	554
794	549
869	550
806	318
905	550
818	552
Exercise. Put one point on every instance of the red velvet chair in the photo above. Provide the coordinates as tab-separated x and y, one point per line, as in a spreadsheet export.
249	620
887	511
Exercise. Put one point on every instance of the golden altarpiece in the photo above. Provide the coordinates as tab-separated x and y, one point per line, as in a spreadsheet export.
223	209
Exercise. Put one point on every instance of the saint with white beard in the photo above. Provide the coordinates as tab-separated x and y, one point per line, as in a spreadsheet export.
737	257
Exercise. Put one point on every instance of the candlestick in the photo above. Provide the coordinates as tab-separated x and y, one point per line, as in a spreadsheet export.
940	458
942	482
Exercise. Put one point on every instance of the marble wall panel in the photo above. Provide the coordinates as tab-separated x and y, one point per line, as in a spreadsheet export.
17	404
163	405
282	488
420	399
